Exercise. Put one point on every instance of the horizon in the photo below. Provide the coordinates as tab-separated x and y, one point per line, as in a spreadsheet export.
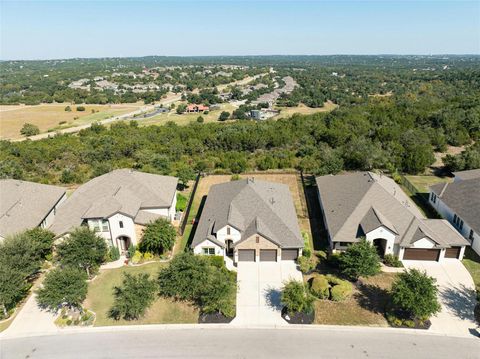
125	29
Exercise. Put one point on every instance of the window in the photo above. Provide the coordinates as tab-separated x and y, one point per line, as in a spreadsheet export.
104	225
470	236
433	197
120	224
208	251
257	239
343	244
95	225
228	230
457	222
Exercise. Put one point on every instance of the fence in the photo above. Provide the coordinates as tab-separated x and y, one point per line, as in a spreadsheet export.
409	185
185	216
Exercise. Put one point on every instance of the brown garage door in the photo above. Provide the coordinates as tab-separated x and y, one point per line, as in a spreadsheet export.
246	255
289	254
268	255
421	254
453	252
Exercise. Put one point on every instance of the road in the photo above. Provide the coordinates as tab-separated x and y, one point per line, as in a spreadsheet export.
242	343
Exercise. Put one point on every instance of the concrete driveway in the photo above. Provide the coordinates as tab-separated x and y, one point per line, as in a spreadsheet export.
258	296
456	295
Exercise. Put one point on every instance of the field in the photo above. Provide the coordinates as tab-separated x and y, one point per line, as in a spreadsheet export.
303	110
48	116
291	179
163	311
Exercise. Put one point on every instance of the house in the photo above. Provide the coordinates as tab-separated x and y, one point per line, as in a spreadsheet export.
118	205
196	108
459	203
249	220
366	205
26	205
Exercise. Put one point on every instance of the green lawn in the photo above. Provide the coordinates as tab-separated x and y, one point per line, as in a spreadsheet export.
163	311
422	183
471	261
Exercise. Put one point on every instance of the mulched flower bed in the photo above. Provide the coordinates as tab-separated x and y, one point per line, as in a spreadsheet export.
298	318
215	318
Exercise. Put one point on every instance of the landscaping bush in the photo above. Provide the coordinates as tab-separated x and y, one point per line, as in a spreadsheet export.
320	287
137	257
217	261
133	297
341	290
392	261
158	237
82	249
200	119
12	288
333	260
360	260
113	254
181	203
68	109
415	293
80	108
63	287
29	130
296	297
147	256
131	251
306	264
307	250
235	177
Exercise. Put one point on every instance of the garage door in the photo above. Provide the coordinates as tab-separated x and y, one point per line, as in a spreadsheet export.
246	255
289	254
268	255
420	254
453	252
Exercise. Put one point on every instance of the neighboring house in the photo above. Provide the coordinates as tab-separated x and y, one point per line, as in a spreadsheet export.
196	108
25	205
118	205
249	220
459	203
366	205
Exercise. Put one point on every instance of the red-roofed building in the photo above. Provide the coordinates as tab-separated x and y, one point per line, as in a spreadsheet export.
197	108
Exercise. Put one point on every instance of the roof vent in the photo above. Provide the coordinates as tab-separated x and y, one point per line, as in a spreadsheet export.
272	201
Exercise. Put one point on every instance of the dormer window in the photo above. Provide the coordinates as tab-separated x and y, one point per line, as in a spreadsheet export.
257	239
228	231
120	224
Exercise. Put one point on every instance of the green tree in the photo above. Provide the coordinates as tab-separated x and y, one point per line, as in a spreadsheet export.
296	298
20	254
225	115
133	297
63	287
158	237
185	174
29	130
80	108
82	249
181	108
416	293
200	119
12	287
68	109
42	241
360	260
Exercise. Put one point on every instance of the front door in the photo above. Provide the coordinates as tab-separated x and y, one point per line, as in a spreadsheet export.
229	249
123	243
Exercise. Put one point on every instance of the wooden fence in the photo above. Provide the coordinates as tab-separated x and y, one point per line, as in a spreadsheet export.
186	214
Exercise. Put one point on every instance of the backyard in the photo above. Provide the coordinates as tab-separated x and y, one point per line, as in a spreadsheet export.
163	311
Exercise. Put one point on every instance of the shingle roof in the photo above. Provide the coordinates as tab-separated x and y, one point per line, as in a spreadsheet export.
467	175
462	197
251	206
359	202
25	205
124	191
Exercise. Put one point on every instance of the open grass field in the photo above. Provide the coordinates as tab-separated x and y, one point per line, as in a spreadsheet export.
303	110
163	311
48	116
291	179
365	307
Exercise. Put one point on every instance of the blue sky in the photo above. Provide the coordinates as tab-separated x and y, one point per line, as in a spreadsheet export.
65	29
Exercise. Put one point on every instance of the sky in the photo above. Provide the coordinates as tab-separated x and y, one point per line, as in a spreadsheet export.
68	29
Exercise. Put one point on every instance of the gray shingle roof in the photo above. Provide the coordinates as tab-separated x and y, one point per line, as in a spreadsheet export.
24	205
124	191
251	206
467	175
356	203
462	197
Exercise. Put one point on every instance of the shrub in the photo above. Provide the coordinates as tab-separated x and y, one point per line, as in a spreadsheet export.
62	122
68	109
80	108
416	293
29	130
296	297
181	203
392	261
235	177
341	290
63	286
158	237
133	297
360	259
216	261
305	264
137	257
320	287
131	251
147	256
224	116
113	254
307	250
333	260
200	119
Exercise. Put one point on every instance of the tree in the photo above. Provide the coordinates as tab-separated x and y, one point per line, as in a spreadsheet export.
82	249
225	115
181	108
80	108
185	174
42	241
135	295
20	254
63	287
158	237
200	119
296	297
68	109
12	287
416	293
29	130
360	259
